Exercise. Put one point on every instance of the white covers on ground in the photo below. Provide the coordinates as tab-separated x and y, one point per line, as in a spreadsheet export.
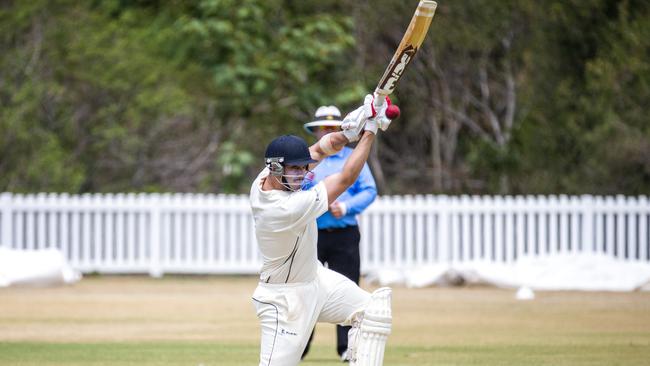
583	271
35	267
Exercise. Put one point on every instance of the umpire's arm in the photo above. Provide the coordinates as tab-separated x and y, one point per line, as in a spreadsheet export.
362	193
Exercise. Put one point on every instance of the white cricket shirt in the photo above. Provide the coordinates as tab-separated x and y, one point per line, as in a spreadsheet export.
285	227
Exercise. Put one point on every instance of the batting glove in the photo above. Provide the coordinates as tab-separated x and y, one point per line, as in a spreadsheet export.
383	122
355	122
379	113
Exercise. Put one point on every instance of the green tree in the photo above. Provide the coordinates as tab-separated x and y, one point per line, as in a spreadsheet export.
272	62
585	125
148	95
617	93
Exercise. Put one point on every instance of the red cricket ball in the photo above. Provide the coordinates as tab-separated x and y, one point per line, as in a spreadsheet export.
392	111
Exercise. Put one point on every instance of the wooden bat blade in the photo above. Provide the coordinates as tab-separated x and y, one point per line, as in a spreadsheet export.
411	42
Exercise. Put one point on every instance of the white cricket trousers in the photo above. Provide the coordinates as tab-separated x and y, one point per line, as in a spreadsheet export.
288	313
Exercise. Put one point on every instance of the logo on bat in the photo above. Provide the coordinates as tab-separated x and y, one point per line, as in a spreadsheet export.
396	72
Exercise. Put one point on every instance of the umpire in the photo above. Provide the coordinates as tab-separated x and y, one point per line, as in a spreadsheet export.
338	231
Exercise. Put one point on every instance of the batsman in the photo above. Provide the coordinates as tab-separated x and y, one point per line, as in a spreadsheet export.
295	291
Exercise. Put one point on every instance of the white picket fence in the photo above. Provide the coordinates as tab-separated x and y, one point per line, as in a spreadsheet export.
186	233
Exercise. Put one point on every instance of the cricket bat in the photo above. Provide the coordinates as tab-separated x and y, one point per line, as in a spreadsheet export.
411	42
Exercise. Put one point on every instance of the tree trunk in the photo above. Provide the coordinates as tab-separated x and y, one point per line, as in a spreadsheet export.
435	153
377	171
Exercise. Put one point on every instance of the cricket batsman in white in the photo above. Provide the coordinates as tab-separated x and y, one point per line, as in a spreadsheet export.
295	291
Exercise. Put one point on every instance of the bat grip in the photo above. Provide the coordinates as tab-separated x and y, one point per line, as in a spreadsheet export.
379	100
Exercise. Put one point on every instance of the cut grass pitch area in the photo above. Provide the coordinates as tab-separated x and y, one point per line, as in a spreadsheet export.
210	321
208	354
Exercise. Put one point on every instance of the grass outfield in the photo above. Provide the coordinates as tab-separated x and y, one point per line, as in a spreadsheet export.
210	321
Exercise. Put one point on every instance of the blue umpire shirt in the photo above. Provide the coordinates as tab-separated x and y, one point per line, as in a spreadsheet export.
356	198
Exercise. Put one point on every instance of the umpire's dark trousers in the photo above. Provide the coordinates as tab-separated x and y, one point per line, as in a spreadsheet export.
339	249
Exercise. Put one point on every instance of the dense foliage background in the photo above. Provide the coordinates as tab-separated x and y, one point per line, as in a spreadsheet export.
505	97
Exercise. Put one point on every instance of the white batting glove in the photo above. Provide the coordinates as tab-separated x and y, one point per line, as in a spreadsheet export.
371	125
350	126
354	122
378	109
384	122
379	112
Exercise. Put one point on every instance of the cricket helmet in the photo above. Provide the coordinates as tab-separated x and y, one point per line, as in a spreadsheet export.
288	150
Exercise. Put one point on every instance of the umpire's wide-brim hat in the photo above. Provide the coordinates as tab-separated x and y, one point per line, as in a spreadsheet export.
327	115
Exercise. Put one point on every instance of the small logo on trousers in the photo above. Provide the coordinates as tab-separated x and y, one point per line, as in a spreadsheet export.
284	331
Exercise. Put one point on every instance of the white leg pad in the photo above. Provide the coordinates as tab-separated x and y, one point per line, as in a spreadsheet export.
370	330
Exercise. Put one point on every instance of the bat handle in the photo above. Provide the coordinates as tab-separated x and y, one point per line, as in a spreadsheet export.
380	99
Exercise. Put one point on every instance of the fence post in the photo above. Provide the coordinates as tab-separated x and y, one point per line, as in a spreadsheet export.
488	228
499	235
621	245
644	241
443	230
520	214
7	220
420	241
475	214
510	230
564	224
155	269
588	244
632	248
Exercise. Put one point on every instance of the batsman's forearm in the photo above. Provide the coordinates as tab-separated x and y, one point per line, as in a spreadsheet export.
338	140
358	158
329	144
